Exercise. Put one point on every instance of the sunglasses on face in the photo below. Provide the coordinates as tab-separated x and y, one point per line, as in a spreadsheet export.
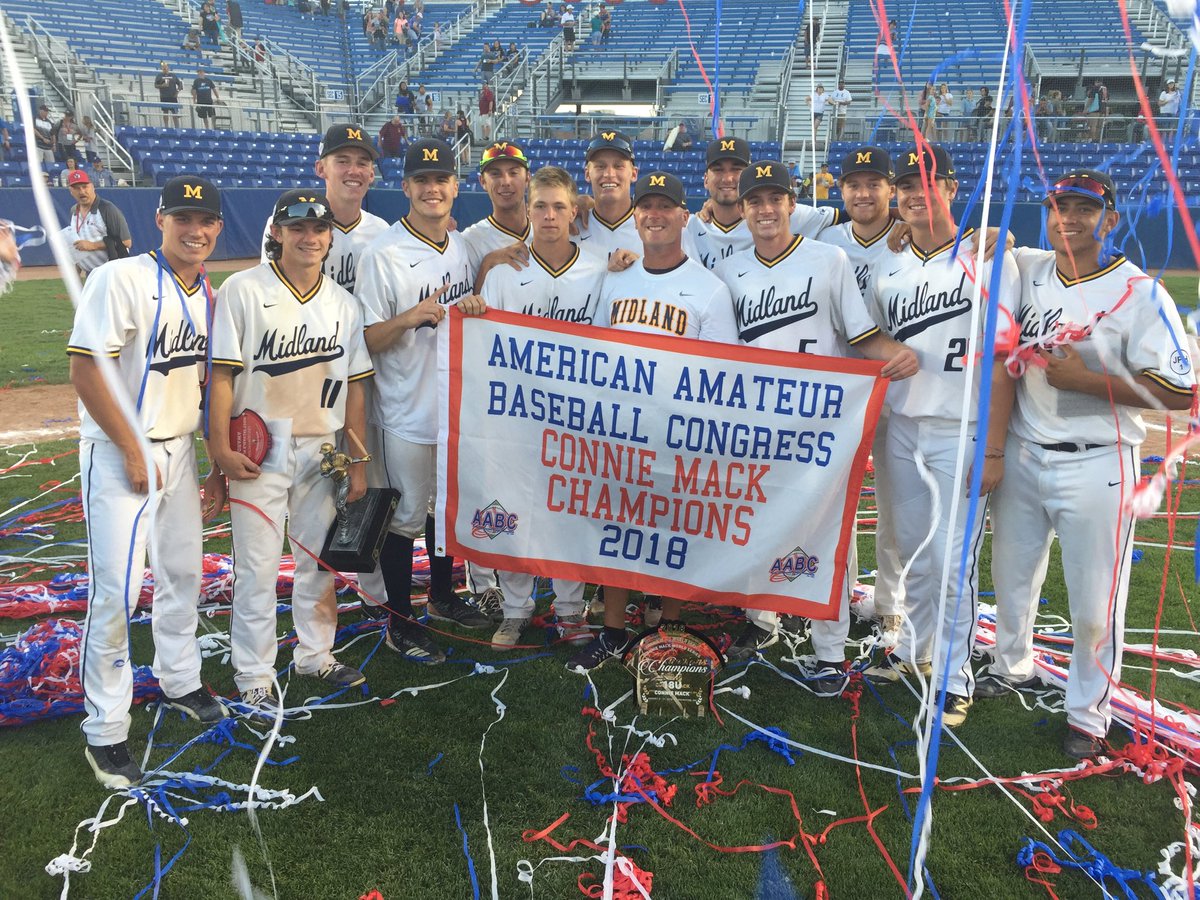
303	210
502	151
1086	184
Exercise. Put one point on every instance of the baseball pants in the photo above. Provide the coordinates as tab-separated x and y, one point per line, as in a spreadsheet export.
889	592
828	636
120	533
914	510
518	590
1079	496
303	499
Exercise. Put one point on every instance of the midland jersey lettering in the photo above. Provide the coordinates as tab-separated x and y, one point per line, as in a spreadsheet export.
909	317
652	313
772	311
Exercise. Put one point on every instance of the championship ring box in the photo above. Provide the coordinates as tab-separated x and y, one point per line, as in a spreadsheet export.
249	435
674	667
353	544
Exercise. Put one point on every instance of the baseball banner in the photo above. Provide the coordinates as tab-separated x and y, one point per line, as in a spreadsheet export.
708	472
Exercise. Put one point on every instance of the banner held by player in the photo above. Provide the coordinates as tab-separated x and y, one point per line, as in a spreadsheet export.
703	471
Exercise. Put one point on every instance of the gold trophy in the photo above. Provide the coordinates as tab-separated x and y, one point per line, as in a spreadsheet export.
357	533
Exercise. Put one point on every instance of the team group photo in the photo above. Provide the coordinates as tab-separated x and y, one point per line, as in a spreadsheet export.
686	449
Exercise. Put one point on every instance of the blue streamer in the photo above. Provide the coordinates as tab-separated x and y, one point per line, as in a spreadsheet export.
467	853
1091	862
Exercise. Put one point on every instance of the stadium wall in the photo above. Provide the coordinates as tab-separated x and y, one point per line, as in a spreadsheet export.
247	209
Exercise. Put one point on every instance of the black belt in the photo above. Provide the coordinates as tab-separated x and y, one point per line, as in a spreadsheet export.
1071	448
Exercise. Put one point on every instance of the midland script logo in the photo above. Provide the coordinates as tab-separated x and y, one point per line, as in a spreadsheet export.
492	521
793	565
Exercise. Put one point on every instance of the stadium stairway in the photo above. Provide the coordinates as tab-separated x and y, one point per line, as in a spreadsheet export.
798	135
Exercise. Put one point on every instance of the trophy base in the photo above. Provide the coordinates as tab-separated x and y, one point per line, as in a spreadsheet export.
674	667
367	524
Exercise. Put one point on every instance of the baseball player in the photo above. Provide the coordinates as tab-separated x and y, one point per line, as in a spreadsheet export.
867	193
504	174
562	283
288	346
1071	457
719	231
346	163
148	314
655	295
407	279
611	171
822	313
924	295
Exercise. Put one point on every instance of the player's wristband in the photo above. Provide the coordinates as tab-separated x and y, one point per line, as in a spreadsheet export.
991	453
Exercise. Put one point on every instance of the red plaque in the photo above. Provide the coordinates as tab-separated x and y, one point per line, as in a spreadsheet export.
249	436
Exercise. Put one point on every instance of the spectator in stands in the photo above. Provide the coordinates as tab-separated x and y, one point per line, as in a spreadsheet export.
605	24
400	32
87	139
567	20
549	18
927	104
191	40
822	182
67	137
325	7
1095	107
683	139
794	172
462	127
513	56
430	115
945	112
487	111
1055	104
96	230
984	111
5	141
1168	106
437	38
209	23
169	86
100	175
841	100
204	96
393	137
812	36
597	26
487	61
404	102
44	136
233	15
423	110
447	128
818	100
65	174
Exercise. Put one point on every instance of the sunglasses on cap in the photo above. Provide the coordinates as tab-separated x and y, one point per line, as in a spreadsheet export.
1084	184
503	151
304	209
617	143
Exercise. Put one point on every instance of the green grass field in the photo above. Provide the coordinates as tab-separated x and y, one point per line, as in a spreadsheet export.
391	773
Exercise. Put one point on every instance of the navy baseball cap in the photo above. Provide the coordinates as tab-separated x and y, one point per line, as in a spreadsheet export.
190	193
933	157
295	206
1085	183
610	140
875	160
767	173
661	184
429	155
346	134
728	148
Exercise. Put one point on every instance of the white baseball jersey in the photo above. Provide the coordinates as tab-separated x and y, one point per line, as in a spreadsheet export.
1138	335
805	300
154	328
603	237
709	242
399	270
686	301
487	235
569	293
924	300
293	352
865	256
349	242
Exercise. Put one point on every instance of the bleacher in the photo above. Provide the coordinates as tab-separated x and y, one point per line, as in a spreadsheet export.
960	42
119	37
751	33
456	69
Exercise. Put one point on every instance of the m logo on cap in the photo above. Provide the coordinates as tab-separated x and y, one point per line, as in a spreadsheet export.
608	135
762	172
658	181
726	145
863	158
354	134
193	191
429	154
913	159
